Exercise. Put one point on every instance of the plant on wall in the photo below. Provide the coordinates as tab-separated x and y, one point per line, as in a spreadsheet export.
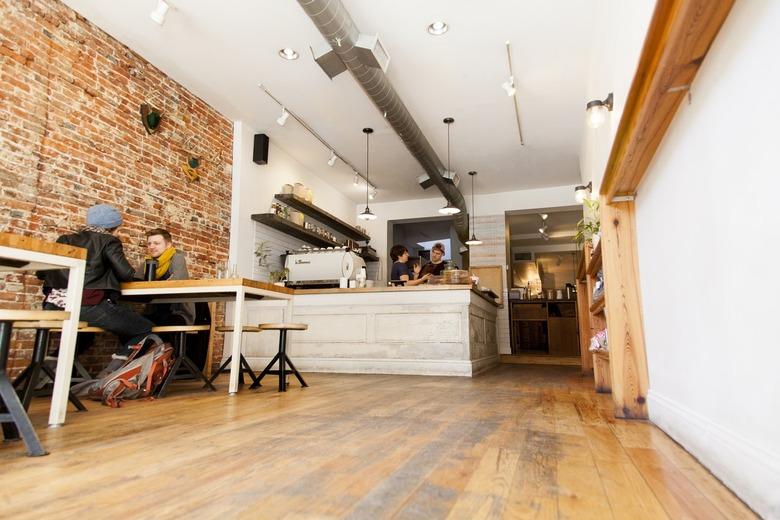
590	223
262	253
279	276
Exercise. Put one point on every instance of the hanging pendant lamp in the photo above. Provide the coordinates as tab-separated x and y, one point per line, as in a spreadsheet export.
449	209
473	241
367	215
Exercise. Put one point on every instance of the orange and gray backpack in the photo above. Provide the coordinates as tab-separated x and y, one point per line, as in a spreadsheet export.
137	378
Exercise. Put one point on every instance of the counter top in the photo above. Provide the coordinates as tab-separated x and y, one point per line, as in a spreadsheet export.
381	289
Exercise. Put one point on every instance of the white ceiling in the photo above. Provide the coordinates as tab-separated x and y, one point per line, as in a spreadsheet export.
222	50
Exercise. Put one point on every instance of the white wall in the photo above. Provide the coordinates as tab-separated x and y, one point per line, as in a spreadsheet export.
254	187
708	233
618	34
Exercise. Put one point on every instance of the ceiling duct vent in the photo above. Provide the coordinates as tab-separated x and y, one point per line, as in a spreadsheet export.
369	49
426	182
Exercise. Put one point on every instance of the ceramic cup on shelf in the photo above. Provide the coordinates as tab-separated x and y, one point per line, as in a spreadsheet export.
287	189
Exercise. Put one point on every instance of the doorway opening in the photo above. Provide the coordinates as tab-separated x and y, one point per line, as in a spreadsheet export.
418	235
542	260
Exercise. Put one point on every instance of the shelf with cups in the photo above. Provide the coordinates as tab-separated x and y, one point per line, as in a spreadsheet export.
322	216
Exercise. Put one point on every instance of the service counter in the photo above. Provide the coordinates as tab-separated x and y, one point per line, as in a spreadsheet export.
424	330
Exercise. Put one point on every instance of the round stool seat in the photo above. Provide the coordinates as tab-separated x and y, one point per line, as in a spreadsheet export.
53	325
180	328
283	326
24	315
245	328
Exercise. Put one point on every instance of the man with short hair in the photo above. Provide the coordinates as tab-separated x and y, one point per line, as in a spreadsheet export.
436	265
171	265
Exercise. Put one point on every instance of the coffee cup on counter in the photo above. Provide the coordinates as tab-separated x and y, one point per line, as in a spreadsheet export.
353	284
150	268
343	283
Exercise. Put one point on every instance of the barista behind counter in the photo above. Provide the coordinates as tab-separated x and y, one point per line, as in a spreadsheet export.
399	274
436	266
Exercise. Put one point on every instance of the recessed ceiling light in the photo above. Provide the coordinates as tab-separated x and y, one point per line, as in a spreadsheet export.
438	28
288	54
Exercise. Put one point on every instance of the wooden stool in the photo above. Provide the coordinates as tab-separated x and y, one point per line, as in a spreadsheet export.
180	347
26	382
243	366
16	414
281	356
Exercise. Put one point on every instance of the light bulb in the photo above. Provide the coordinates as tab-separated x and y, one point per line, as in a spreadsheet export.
288	54
473	241
332	159
449	209
580	194
367	215
438	28
597	114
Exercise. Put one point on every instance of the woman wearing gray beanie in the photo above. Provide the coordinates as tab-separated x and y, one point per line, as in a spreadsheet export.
107	266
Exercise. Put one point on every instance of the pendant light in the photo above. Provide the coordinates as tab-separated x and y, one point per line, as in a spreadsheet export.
473	241
449	209
367	215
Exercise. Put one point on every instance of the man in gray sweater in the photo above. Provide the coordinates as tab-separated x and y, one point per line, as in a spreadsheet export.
171	265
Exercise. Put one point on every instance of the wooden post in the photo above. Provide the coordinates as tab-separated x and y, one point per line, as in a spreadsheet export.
212	337
627	355
583	311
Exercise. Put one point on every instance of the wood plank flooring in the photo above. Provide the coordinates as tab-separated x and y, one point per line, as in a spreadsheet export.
517	442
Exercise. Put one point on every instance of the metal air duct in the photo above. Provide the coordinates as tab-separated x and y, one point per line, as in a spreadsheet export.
341	33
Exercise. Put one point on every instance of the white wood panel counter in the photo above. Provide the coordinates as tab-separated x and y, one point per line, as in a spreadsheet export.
427	330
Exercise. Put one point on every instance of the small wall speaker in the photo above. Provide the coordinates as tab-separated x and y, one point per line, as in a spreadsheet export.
260	151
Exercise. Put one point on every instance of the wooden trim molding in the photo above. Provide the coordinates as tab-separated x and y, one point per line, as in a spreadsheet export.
679	37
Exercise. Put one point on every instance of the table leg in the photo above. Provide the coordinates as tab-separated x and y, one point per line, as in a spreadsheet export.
59	397
238	324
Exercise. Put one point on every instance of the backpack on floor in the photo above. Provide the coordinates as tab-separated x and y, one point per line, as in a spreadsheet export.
138	377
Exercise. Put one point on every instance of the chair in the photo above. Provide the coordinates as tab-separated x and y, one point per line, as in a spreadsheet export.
281	355
180	347
81	373
26	382
244	367
16	414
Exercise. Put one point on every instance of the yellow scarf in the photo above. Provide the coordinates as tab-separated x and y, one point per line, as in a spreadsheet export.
163	262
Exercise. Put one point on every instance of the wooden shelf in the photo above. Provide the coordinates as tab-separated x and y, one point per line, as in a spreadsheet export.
581	266
595	261
335	223
368	256
294	230
598	305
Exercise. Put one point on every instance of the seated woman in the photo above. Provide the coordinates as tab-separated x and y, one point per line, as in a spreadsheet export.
399	274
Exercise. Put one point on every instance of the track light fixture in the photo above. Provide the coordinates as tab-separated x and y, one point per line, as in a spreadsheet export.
283	118
332	159
158	15
582	192
449	209
509	86
367	215
597	111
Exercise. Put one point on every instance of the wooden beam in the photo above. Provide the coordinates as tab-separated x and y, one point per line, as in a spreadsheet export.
679	37
627	357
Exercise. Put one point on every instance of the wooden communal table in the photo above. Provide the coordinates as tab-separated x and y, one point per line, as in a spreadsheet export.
23	253
236	290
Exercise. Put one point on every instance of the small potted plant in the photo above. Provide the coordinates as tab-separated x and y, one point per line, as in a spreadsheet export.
588	229
279	277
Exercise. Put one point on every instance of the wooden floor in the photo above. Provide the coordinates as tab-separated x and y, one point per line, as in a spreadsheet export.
517	442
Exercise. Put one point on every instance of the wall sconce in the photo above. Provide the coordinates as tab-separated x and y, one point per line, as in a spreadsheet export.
582	192
597	111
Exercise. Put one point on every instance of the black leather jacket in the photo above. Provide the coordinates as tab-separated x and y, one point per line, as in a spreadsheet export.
107	265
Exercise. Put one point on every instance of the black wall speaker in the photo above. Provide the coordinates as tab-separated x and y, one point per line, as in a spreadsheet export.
260	152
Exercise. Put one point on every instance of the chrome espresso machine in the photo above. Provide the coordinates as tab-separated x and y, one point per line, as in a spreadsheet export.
321	267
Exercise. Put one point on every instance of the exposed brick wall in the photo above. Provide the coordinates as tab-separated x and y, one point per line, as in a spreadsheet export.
71	136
